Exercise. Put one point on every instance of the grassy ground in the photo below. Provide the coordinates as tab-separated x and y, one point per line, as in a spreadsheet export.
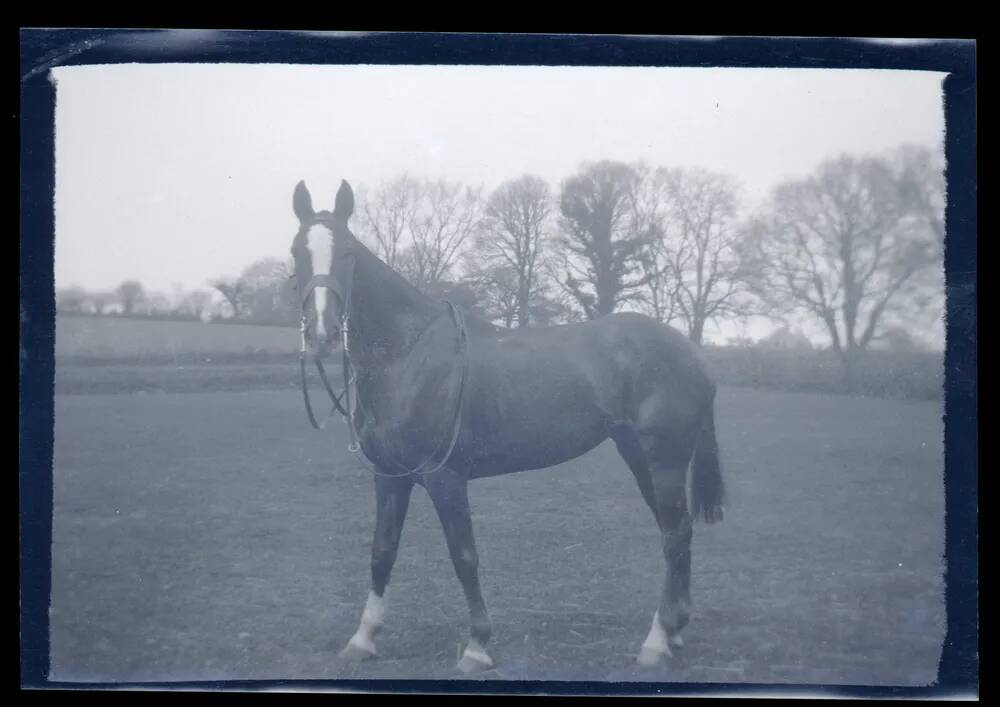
275	373
145	340
216	536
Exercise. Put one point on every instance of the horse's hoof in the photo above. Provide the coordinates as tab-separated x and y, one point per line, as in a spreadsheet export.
354	653
474	663
649	657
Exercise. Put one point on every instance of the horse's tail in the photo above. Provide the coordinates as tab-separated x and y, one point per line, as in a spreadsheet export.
707	488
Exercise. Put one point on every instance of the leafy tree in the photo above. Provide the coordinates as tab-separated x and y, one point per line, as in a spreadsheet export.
101	300
131	294
268	292
603	267
233	289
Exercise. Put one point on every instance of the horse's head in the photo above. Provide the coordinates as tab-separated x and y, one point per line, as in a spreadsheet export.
323	250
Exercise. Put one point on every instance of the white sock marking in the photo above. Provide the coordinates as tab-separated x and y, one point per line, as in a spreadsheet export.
371	621
477	652
657	638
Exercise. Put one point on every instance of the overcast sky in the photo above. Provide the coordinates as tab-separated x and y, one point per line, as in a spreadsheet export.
175	174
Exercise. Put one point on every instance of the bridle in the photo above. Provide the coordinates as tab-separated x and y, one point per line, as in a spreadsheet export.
350	375
328	282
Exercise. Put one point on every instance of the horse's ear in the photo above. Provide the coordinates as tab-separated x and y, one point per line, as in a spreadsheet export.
344	205
302	203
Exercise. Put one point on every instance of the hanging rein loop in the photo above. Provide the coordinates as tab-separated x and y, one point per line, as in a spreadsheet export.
337	406
347	409
420	469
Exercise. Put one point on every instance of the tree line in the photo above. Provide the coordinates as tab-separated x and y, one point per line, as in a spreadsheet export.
132	299
855	248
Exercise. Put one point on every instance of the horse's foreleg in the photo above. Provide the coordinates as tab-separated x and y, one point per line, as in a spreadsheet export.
449	492
392	498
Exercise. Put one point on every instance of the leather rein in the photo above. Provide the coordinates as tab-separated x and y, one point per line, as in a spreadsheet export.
345	408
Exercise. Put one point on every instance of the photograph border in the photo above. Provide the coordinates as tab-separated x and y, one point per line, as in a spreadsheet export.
44	49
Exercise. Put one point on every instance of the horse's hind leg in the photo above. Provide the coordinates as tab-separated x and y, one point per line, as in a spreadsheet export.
663	487
627	441
667	443
392	498
669	488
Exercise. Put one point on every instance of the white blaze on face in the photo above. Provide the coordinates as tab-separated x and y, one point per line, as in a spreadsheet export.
319	241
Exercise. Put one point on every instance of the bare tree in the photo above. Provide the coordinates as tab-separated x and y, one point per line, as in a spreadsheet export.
921	182
449	214
705	254
130	293
600	236
648	205
920	174
387	214
550	306
846	247
514	233
463	293
662	289
233	290
497	289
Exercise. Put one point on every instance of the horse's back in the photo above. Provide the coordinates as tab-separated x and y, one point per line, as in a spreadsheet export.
622	344
542	395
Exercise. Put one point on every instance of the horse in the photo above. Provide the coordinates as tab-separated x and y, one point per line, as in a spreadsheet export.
442	397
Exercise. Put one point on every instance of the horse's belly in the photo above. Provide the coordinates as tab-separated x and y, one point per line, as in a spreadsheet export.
527	459
537	434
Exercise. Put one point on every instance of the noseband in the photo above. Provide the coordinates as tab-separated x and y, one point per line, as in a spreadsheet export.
350	374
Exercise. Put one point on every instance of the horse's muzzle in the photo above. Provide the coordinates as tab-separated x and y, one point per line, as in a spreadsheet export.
322	347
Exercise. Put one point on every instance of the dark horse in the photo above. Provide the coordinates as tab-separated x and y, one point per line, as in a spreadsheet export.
507	400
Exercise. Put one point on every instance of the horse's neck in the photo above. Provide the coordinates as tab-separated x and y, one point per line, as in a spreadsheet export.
387	314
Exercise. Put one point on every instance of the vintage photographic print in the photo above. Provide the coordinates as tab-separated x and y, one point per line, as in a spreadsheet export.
614	374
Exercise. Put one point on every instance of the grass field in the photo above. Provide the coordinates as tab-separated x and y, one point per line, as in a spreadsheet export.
152	340
214	535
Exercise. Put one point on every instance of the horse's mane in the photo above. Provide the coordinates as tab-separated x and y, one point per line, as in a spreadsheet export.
382	269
